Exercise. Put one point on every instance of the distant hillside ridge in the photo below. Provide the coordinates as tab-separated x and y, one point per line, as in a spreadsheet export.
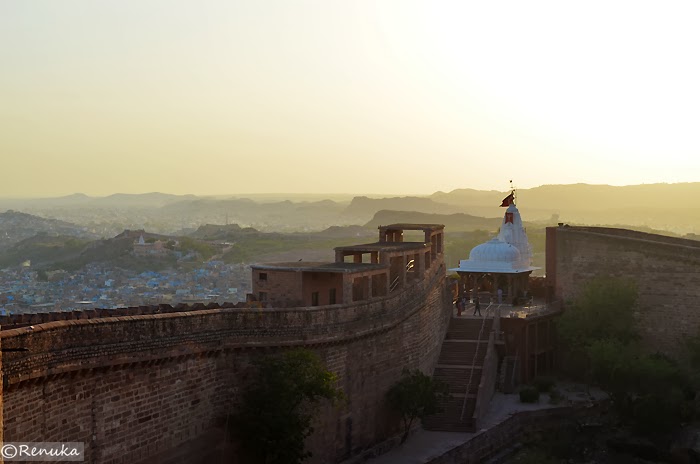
221	232
42	249
16	226
347	231
452	222
670	207
116	200
279	216
364	207
582	196
660	206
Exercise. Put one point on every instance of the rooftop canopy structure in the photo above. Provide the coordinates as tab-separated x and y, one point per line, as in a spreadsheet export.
360	272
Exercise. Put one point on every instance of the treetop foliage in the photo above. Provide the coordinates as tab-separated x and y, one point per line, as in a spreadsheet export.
649	390
278	408
416	396
603	310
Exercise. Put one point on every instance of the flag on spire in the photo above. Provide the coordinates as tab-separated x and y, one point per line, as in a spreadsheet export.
507	201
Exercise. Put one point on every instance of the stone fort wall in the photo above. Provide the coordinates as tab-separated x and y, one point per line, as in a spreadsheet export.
666	270
153	388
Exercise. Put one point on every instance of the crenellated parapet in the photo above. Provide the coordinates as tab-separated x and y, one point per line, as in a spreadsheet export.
154	387
64	346
15	321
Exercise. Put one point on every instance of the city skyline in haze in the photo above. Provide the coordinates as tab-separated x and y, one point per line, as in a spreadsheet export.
395	97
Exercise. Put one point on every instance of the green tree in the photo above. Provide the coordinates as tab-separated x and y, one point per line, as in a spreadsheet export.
649	390
278	408
205	250
415	396
603	310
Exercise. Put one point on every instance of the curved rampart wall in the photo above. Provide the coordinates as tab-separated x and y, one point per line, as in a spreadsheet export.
18	320
151	388
666	270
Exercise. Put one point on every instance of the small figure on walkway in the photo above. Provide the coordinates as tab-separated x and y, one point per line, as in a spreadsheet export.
500	296
460	307
477	306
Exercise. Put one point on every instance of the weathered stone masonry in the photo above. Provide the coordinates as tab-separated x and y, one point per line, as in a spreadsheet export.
666	270
136	388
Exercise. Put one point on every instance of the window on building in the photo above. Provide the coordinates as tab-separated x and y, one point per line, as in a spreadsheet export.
331	296
262	296
263	276
314	299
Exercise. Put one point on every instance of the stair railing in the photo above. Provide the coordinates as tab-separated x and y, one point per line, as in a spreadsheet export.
394	284
476	354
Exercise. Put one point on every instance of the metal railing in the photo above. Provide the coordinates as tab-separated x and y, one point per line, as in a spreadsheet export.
476	355
487	385
395	283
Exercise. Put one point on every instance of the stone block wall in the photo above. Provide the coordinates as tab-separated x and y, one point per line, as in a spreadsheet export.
666	270
281	287
489	443
152	388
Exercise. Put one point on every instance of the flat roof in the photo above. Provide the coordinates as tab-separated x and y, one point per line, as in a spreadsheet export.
385	246
319	267
413	226
493	270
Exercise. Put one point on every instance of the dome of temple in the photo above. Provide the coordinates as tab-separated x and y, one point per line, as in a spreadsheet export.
508	253
495	251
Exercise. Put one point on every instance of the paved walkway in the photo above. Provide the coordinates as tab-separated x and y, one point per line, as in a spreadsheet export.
423	445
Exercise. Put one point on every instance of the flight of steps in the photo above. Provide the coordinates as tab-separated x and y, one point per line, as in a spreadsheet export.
454	365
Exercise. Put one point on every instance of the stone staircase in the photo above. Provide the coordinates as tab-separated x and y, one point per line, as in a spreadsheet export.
459	359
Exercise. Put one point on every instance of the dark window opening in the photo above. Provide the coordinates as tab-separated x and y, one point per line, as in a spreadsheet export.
331	296
262	296
263	276
314	299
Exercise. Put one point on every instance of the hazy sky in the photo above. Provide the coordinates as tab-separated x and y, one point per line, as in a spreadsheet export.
215	97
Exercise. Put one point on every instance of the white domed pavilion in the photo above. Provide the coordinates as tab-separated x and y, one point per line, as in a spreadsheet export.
505	259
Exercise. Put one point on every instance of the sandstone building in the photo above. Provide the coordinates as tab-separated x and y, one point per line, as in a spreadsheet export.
359	273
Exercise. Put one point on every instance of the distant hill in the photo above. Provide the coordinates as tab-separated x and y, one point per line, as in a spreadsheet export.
50	251
229	243
16	226
364	208
140	200
221	232
281	216
669	207
452	222
117	200
660	206
42	250
580	196
116	252
347	232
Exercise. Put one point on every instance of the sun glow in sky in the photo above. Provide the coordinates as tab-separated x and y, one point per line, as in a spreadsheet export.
398	96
